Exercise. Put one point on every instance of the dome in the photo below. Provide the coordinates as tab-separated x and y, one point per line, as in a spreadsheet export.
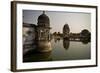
66	28
43	20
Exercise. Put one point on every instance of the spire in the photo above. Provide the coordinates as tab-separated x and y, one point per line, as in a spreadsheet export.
43	12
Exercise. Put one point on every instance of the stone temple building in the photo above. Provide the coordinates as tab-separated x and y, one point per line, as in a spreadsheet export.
40	33
43	27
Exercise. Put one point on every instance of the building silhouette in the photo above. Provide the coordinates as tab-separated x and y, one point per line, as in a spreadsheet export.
43	27
66	31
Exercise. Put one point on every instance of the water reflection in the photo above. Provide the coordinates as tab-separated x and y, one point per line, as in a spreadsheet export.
62	49
57	40
66	43
34	56
85	40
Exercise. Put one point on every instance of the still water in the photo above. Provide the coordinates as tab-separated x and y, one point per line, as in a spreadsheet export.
61	50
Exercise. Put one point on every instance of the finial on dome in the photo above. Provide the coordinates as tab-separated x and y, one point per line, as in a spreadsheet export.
43	12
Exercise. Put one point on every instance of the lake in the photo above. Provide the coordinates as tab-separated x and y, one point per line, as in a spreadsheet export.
61	50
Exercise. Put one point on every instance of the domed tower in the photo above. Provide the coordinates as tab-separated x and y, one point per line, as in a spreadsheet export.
43	29
66	30
43	33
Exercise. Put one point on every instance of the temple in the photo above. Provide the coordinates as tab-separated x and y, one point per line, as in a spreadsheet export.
38	34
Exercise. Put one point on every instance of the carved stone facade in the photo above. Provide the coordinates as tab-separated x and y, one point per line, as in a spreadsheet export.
29	33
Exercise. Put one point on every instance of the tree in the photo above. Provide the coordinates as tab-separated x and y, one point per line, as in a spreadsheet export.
85	33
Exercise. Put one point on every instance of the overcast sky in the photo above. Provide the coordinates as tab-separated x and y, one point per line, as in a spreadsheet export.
76	21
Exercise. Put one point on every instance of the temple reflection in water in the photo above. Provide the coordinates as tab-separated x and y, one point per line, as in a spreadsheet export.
39	44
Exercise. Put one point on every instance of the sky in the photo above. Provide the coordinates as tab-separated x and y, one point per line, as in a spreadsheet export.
76	21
